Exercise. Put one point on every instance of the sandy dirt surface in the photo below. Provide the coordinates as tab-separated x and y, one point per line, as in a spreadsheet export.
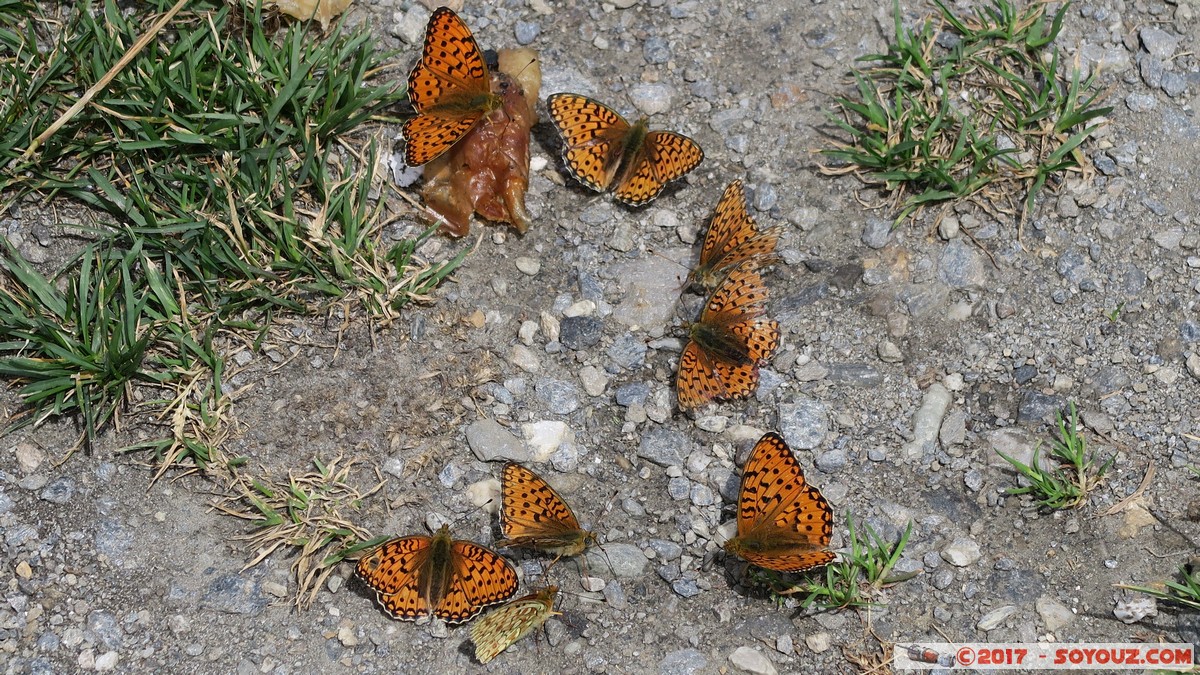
909	358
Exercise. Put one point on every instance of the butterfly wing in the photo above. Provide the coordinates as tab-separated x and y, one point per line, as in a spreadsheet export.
392	570
428	136
663	157
728	343
481	577
733	238
533	514
784	524
593	136
501	628
742	295
697	381
449	88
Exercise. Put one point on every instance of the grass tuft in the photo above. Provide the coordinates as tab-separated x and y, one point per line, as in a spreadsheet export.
966	107
1076	475
225	183
856	579
1186	594
310	514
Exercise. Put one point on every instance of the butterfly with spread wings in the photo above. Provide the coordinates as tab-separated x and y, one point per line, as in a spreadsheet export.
450	578
605	152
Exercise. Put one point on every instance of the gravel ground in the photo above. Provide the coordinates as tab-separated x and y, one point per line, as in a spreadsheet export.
908	360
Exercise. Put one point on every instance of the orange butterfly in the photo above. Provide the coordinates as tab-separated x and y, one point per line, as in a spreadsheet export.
783	523
733	239
728	343
605	152
501	628
451	578
450	89
534	515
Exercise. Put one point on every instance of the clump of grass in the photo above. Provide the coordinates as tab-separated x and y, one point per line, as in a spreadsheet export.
309	514
1075	474
857	578
970	107
1186	594
225	181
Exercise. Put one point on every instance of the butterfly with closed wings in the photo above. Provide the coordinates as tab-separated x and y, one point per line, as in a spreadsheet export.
450	88
733	239
534	515
783	523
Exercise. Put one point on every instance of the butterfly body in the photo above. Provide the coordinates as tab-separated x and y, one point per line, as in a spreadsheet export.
720	341
504	626
605	152
534	515
450	578
783	523
450	88
733	239
728	343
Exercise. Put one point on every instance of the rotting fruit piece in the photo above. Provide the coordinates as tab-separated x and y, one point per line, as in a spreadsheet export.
487	171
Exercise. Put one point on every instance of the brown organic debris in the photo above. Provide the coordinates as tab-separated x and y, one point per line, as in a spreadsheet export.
487	171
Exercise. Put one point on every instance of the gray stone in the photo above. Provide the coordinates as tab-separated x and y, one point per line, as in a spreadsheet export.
113	539
666	549
1023	374
669	572
993	619
490	441
1015	442
750	660
1073	266
1054	614
765	197
961	552
927	421
833	460
59	491
580	332
651	289
105	627
235	594
561	397
876	232
682	662
664	447
1174	84
942	579
685	587
628	351
973	479
960	266
702	495
855	374
1158	43
626	561
1038	407
679	488
614	595
633	392
889	352
652	98
804	423
1140	103
656	50
954	429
